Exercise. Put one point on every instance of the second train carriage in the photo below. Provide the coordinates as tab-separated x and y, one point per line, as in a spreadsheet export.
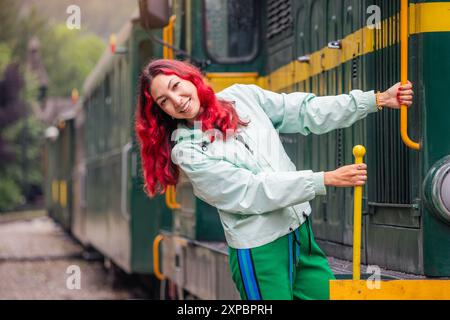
117	218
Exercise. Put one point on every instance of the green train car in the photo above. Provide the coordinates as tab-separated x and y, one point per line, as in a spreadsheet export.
120	221
327	47
59	158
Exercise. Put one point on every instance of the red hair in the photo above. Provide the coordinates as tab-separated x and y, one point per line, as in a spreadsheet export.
154	127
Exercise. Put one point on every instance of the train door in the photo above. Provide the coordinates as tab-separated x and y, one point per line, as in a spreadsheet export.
394	221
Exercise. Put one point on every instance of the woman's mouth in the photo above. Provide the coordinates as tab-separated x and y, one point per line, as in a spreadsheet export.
186	107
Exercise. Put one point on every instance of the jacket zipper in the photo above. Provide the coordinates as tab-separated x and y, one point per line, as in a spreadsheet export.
261	154
241	139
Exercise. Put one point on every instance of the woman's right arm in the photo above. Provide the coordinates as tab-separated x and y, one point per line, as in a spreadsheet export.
238	190
305	113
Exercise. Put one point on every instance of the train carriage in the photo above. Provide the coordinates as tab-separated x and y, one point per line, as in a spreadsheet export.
117	219
326	47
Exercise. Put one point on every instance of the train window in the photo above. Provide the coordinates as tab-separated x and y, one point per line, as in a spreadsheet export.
231	30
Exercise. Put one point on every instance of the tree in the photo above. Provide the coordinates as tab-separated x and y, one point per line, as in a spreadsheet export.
11	109
68	56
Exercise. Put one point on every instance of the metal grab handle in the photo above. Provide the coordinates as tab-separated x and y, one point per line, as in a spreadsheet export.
124	181
359	152
174	202
168	38
156	270
171	201
404	74
169	197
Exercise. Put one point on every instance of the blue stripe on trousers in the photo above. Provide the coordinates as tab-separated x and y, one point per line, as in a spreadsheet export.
297	254
290	257
248	275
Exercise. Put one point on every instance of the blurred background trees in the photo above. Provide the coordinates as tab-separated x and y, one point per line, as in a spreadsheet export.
67	57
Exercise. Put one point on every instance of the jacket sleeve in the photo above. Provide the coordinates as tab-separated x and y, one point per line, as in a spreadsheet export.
238	190
305	113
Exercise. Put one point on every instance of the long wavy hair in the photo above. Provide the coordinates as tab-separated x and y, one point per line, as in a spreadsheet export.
154	127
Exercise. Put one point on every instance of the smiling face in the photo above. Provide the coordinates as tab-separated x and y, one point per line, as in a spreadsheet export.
176	97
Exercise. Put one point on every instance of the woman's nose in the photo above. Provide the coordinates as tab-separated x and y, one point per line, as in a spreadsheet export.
175	99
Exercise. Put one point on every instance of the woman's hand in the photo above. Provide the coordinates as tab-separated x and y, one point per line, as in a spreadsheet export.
396	96
347	176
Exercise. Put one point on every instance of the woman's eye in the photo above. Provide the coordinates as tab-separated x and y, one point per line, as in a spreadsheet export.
176	85
163	101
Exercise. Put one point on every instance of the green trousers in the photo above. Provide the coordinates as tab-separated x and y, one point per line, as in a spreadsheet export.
291	267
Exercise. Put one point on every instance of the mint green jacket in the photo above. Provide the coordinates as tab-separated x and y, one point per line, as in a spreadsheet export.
249	178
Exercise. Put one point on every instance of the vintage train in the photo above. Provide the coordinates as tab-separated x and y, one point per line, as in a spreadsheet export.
328	47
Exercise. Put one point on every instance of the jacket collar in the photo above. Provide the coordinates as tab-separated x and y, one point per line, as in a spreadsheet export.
183	132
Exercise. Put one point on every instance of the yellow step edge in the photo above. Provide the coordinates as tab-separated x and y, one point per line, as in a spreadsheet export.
390	290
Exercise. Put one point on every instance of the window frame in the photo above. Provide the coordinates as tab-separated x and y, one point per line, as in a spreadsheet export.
234	60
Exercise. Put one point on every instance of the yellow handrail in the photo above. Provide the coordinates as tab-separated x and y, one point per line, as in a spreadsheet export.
169	198
156	270
404	74
359	152
55	191
171	201
174	202
168	38
63	193
165	40
171	33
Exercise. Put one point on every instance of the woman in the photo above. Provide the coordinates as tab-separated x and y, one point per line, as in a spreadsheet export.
228	146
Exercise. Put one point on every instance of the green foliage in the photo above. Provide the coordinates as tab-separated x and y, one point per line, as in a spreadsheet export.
10	193
31	91
99	17
25	139
17	29
9	22
74	53
68	57
5	56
